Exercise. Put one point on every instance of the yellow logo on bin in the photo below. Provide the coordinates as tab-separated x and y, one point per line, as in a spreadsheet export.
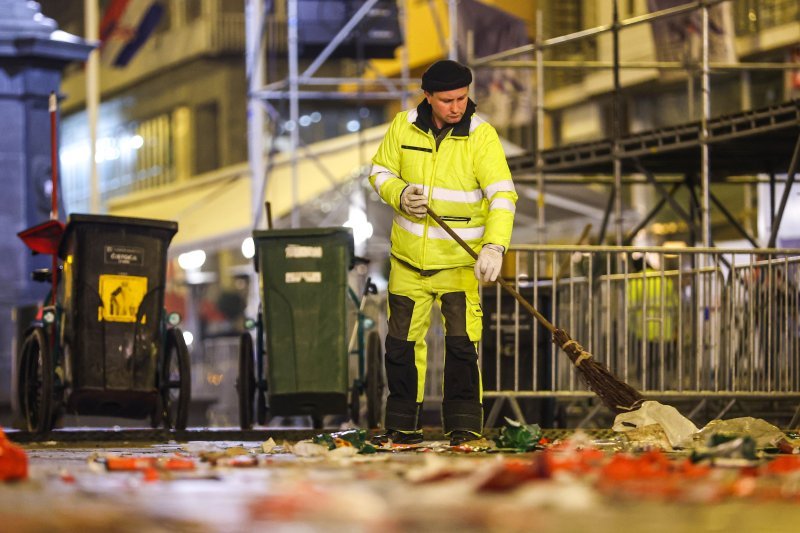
121	297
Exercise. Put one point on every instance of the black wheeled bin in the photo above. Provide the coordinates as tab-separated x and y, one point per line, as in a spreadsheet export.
113	295
303	277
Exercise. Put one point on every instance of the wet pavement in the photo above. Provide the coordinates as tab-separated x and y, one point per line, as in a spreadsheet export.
583	483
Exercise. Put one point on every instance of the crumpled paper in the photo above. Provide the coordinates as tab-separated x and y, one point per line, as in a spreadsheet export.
678	428
308	448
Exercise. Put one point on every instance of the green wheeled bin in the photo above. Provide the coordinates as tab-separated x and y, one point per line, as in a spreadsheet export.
303	278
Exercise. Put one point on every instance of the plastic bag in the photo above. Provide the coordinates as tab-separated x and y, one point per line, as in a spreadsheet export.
762	432
518	436
678	428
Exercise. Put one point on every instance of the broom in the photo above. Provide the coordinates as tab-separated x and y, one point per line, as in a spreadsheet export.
612	391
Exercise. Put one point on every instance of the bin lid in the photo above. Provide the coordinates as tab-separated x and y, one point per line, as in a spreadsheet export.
76	219
299	232
43	238
288	233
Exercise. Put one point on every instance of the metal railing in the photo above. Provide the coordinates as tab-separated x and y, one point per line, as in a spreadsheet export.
695	322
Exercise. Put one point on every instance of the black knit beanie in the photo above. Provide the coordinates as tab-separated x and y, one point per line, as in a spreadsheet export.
446	75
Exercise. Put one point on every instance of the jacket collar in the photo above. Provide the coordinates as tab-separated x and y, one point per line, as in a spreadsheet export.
424	119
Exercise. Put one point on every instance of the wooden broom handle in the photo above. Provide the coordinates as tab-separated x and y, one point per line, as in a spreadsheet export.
503	283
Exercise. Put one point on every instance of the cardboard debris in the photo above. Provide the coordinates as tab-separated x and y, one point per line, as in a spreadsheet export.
268	446
221	455
308	448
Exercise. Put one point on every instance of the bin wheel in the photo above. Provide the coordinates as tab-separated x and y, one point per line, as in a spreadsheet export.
156	415
35	382
355	402
375	382
261	406
245	383
175	381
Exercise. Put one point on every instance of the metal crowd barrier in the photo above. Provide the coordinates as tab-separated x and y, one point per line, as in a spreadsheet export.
694	323
698	324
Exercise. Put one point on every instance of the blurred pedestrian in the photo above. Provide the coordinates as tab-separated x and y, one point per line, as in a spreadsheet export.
652	311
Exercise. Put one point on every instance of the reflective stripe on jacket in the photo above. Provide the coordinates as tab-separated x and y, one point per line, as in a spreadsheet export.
466	180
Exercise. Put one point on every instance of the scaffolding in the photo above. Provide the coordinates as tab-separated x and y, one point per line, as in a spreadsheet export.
760	141
621	155
633	154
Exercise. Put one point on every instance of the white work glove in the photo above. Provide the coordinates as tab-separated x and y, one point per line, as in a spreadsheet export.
490	259
413	202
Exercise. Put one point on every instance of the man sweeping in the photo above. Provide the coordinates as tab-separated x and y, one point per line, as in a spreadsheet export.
443	156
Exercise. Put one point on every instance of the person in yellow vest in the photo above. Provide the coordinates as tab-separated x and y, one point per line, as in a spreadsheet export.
443	155
652	311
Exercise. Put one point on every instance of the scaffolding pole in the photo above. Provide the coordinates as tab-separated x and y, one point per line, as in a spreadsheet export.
294	107
452	41
93	100
706	110
617	131
579	64
541	236
254	39
402	10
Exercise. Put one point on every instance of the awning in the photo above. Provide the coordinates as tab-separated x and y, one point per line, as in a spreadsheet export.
214	210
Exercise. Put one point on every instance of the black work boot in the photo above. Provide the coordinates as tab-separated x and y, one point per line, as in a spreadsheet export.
397	437
458	437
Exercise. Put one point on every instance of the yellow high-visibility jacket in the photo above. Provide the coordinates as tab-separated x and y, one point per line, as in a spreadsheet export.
660	299
466	180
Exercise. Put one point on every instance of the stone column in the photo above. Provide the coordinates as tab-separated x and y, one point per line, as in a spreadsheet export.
32	55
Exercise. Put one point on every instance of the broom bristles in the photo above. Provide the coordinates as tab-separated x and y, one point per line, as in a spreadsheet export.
615	393
612	391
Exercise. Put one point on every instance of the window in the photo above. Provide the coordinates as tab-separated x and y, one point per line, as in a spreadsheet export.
193	9
563	18
130	156
232	6
206	144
